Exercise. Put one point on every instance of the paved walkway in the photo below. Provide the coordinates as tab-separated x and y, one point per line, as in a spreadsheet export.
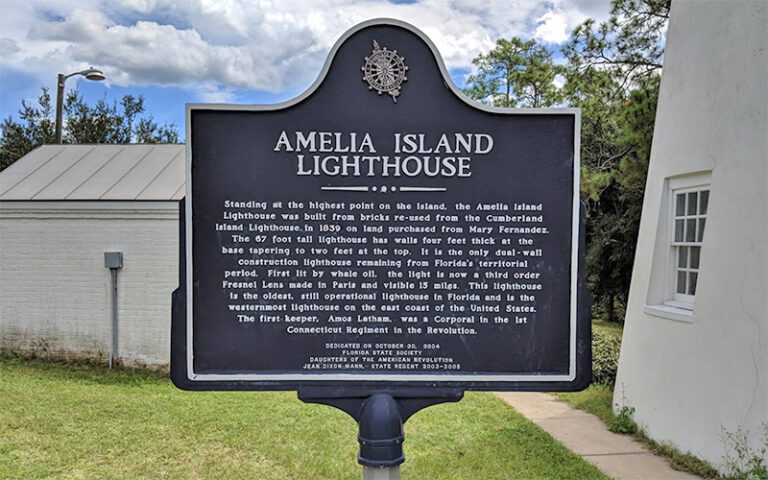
618	456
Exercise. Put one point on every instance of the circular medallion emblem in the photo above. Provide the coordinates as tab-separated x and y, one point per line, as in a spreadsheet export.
384	71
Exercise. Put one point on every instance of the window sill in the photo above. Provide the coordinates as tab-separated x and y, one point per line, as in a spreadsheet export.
670	312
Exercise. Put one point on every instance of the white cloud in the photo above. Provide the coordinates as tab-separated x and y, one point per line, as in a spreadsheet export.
8	47
559	81
216	46
209	93
553	28
81	26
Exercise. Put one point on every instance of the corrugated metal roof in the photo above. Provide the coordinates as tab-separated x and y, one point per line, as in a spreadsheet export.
96	172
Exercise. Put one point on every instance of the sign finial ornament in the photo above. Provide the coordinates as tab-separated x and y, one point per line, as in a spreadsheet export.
384	71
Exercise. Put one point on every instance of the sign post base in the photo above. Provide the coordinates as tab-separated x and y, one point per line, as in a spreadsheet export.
380	416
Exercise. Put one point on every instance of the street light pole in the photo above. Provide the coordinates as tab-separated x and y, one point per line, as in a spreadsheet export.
90	74
59	105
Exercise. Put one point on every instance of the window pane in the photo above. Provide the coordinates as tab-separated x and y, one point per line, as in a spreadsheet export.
700	236
692	277
690	230
704	200
680	210
679	230
682	257
693	198
695	254
681	282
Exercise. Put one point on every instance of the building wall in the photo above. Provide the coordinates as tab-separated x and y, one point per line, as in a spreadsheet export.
692	377
55	290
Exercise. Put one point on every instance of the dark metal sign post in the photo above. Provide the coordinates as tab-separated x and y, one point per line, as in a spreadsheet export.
381	244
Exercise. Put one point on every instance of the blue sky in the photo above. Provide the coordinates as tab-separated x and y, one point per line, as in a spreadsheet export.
238	51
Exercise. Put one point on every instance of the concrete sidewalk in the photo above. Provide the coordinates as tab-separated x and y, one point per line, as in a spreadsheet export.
618	456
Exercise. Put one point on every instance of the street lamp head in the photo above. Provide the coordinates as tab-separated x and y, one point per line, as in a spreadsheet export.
93	74
90	74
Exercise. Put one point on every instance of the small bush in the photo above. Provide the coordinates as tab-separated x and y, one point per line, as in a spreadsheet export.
605	357
624	423
741	461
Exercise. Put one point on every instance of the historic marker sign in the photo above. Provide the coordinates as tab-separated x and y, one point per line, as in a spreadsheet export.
382	229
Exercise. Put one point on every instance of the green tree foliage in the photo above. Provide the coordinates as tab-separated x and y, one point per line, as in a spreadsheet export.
616	138
103	122
614	78
630	44
36	128
612	75
515	73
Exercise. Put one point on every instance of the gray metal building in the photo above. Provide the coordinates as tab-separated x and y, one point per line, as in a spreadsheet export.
61	208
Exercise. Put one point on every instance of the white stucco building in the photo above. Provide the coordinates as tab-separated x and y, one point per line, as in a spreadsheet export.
694	360
61	208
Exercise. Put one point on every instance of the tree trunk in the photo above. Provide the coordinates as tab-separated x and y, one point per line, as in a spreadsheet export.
611	310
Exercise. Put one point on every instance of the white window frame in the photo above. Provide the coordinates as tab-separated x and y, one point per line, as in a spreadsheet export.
677	186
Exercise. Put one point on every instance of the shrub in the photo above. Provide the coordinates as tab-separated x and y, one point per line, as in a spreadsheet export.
742	462
605	357
624	421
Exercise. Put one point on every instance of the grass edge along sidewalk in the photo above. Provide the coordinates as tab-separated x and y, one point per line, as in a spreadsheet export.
80	420
618	456
597	400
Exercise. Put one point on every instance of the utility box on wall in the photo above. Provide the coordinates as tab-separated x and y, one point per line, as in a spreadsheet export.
113	259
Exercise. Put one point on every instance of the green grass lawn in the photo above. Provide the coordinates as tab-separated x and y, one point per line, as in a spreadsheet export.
608	327
61	420
596	399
